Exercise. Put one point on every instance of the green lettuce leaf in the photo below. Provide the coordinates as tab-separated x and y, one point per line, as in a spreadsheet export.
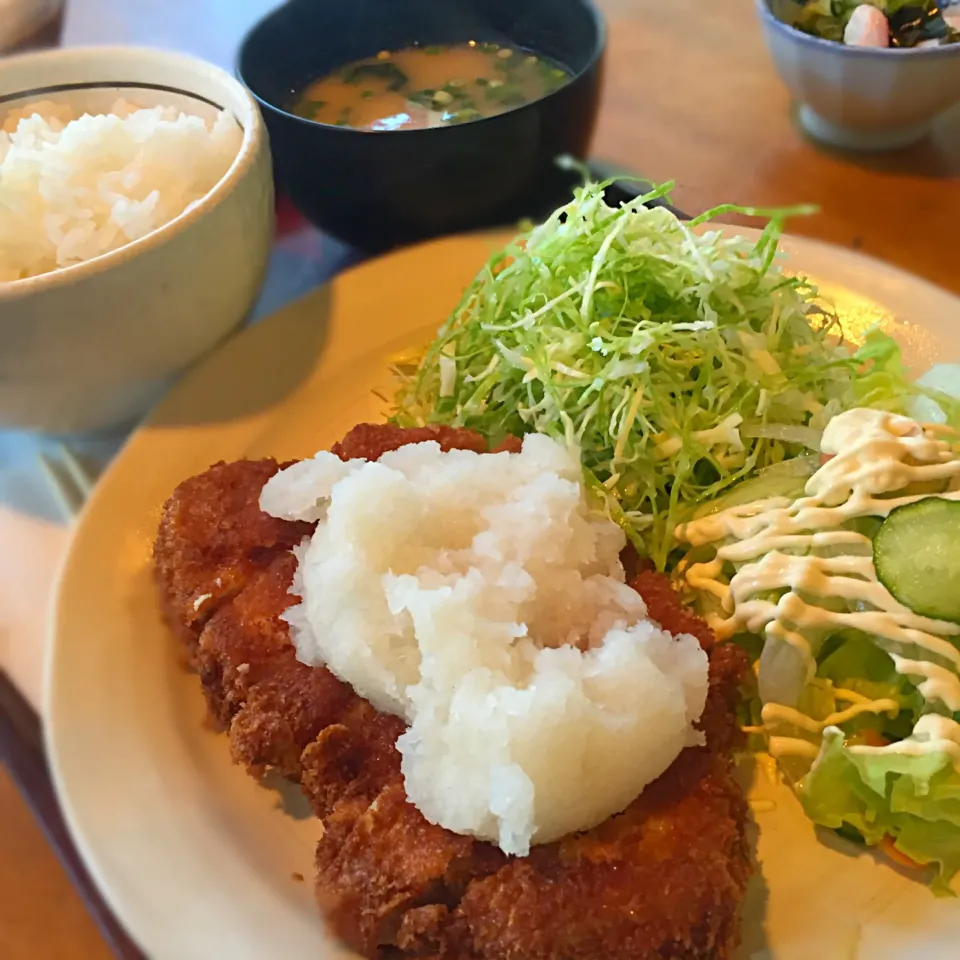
884	383
914	800
938	399
853	661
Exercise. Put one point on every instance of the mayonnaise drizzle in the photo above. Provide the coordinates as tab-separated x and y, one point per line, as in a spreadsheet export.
792	747
938	684
931	734
805	548
773	712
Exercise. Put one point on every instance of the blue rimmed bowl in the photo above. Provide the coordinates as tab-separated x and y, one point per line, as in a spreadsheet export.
860	98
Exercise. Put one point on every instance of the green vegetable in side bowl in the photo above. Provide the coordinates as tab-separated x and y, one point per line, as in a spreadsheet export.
911	22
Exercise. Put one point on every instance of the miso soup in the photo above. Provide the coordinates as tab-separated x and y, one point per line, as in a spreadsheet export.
423	87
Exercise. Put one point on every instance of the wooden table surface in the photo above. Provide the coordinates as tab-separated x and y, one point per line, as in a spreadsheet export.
690	96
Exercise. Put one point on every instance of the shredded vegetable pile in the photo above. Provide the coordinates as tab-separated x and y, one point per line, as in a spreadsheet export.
680	360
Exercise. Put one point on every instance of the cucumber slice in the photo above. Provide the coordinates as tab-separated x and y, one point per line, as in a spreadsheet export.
917	557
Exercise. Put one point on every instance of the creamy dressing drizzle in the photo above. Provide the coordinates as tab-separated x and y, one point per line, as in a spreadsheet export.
804	548
773	712
932	733
792	747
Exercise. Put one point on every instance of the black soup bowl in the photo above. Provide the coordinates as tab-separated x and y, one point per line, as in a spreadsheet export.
377	190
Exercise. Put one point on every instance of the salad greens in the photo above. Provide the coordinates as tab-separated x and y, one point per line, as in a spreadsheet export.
911	21
682	361
842	590
933	397
915	800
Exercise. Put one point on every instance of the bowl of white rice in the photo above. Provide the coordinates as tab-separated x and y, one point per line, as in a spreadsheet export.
136	218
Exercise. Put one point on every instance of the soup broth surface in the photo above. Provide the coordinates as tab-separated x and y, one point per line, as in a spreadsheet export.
423	87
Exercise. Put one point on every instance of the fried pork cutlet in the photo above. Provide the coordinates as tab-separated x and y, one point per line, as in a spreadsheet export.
224	569
213	539
664	879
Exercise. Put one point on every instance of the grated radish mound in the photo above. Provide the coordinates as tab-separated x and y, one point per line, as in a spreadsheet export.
480	598
75	187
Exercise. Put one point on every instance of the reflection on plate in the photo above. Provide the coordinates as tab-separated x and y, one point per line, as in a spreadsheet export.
169	828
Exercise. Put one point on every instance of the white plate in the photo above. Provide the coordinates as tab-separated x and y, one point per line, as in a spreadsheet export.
195	858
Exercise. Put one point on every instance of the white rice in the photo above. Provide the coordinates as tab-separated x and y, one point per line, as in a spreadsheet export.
75	187
480	598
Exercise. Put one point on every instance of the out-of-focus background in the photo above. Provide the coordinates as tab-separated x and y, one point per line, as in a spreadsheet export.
690	94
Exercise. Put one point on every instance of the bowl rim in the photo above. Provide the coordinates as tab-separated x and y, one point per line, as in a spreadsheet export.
595	57
769	17
254	137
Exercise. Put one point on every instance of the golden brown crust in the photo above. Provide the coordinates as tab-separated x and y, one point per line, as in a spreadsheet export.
658	594
272	704
352	759
379	860
663	879
213	538
608	893
370	441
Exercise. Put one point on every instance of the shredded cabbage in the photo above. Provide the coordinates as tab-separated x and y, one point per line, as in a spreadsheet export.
680	361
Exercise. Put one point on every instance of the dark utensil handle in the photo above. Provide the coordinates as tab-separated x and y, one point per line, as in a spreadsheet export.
623	191
22	753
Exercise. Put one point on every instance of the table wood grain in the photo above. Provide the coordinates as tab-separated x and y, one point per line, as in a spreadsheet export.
691	95
22	756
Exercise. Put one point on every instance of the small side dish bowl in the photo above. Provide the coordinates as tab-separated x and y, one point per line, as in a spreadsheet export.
861	98
378	190
91	345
